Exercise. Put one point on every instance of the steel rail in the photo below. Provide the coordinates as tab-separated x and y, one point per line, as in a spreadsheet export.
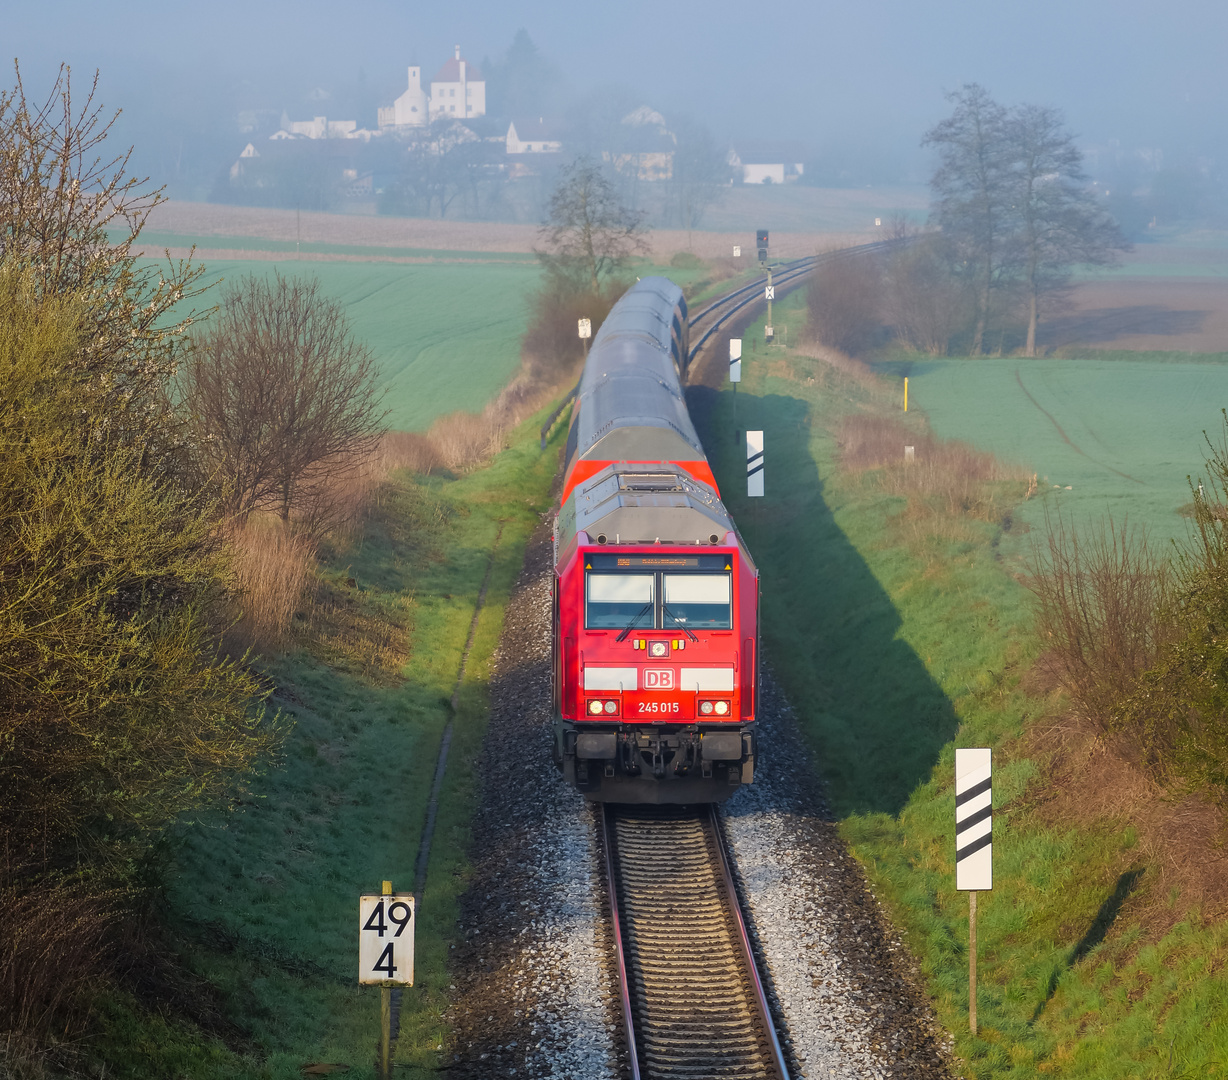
757	283
624	986
744	940
702	1009
792	273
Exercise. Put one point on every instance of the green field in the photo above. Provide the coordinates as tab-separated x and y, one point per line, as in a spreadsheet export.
1122	434
446	335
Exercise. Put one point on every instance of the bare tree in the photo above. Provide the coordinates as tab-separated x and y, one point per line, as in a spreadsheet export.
1060	223
973	189
590	233
72	217
283	402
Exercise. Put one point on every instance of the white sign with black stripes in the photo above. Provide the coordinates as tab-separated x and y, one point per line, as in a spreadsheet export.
769	292
735	359
973	820
754	463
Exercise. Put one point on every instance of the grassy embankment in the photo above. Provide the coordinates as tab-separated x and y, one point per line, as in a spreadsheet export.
261	906
898	635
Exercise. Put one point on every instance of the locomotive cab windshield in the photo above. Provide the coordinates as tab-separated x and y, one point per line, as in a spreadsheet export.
673	600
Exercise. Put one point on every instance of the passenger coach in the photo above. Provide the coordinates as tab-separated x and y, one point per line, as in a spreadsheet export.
655	595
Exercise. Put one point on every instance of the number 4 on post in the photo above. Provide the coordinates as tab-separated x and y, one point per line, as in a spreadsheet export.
386	940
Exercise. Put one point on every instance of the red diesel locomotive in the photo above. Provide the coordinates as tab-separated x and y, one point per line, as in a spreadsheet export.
656	598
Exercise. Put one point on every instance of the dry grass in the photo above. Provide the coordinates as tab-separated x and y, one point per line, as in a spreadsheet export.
942	475
1092	778
274	572
56	940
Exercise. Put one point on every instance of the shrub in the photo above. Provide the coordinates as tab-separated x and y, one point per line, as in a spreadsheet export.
282	402
923	303
1181	703
1100	599
843	303
116	713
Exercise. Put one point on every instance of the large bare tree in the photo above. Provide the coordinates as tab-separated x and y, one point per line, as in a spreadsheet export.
1060	223
590	233
283	402
973	191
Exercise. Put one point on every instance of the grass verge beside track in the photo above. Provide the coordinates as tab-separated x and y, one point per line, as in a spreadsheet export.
898	634
262	904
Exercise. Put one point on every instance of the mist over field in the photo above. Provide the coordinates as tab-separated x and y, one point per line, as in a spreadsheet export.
853	86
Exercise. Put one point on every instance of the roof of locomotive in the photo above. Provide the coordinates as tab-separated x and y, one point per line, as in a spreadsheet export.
630	401
631	504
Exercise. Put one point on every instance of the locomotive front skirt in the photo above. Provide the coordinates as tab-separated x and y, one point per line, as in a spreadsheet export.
655	595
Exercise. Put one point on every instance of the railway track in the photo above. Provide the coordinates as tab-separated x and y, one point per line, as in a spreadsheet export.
786	275
692	999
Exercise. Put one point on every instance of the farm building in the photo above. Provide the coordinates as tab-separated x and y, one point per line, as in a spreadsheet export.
767	163
533	136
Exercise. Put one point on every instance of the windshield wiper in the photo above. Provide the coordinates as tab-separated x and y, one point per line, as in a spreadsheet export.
634	619
685	629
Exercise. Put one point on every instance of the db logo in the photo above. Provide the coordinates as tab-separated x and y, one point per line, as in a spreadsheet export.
658	678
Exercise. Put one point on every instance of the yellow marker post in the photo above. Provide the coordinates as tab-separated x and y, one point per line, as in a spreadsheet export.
906	393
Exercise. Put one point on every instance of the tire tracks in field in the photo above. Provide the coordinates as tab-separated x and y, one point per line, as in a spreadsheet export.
1066	438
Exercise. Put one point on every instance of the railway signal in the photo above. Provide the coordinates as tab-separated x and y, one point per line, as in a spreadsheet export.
761	242
754	464
973	844
386	956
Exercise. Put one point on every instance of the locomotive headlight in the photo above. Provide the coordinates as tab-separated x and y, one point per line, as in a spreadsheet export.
657	649
705	707
722	708
594	707
611	707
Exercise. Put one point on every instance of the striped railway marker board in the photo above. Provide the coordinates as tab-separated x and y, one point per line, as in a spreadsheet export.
973	844
973	820
754	463
735	359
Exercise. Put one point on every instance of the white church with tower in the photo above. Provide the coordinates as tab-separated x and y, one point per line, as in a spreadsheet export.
457	92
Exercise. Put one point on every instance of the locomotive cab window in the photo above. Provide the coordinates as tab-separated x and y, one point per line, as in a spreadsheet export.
660	601
696	602
616	601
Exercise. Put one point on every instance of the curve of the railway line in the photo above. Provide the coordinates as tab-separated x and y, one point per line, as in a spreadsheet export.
637	942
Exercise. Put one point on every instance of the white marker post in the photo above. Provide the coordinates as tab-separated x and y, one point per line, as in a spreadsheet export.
735	360
973	844
586	332
737	251
754	464
386	956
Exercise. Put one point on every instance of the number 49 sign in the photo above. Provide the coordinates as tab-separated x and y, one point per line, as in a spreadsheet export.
386	940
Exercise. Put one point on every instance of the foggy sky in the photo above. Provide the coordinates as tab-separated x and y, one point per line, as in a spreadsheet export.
870	74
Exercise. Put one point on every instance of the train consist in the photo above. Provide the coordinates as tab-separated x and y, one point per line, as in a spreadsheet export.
656	599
